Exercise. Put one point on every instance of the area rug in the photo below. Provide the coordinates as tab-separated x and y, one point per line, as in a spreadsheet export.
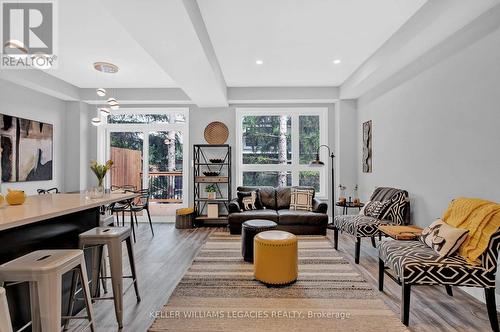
219	293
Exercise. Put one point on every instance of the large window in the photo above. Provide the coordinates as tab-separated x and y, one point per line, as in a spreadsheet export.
276	145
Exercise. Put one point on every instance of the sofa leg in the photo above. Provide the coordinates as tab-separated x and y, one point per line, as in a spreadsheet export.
405	303
381	268
373	242
489	294
356	250
336	238
449	290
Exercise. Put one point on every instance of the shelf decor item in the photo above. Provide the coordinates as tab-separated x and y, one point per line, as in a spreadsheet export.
100	171
211	191
212	175
216	133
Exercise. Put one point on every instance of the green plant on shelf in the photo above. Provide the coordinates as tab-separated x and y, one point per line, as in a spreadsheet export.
211	188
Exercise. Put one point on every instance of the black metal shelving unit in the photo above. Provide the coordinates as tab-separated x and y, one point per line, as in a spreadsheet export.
202	154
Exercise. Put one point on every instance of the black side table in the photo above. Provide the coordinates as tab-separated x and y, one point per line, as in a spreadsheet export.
249	229
349	205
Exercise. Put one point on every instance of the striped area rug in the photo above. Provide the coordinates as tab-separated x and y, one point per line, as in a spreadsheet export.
219	293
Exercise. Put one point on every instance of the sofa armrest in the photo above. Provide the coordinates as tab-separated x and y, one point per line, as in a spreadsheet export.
319	207
234	206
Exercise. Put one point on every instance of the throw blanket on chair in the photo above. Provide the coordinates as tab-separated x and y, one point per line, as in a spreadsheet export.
480	217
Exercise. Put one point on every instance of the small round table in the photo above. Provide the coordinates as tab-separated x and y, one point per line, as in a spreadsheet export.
349	205
249	229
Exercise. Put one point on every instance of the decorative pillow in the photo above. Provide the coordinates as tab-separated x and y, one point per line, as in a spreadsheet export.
362	211
443	238
396	210
376	209
250	200
301	199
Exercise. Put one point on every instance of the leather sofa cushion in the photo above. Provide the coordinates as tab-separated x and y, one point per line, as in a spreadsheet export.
267	195
283	196
241	217
291	217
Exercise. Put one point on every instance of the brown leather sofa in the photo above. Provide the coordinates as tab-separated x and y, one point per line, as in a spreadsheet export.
277	208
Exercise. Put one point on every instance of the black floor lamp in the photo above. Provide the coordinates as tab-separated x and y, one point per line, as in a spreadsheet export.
319	163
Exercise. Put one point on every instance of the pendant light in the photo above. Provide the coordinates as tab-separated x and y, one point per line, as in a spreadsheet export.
113	104
96	121
101	92
104	111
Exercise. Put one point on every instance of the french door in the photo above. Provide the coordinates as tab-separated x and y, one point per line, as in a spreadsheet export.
149	155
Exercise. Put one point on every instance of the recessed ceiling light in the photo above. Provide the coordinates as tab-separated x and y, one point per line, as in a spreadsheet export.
337	61
105	67
259	62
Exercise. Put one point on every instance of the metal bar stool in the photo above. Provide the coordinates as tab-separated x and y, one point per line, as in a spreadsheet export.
111	238
5	323
43	270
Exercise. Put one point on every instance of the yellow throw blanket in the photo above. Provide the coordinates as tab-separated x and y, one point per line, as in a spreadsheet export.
480	217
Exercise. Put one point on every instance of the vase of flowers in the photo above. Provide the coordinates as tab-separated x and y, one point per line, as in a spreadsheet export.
100	171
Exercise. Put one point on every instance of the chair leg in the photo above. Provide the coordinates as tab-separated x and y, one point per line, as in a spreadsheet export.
405	303
381	268
449	290
336	238
150	223
136	222
380	236
132	214
74	283
373	242
356	250
86	294
131	258
489	294
123	218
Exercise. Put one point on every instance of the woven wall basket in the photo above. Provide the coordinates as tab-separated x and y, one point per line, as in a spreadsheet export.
216	133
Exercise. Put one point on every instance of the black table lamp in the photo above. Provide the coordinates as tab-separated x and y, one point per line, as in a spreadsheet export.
318	163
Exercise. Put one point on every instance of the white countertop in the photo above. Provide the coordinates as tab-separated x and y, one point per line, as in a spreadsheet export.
42	207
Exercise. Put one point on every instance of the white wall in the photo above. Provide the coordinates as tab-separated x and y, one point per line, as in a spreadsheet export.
437	135
22	102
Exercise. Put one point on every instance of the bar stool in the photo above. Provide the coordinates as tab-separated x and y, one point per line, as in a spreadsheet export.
43	270
5	324
112	238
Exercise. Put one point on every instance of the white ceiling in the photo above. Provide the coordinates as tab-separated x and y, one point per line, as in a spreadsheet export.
299	39
88	33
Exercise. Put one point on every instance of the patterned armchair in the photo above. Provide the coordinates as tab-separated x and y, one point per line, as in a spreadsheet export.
361	226
414	263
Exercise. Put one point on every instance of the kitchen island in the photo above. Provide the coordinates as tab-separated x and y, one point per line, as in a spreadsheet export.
51	221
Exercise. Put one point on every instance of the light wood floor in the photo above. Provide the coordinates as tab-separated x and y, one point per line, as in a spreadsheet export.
162	261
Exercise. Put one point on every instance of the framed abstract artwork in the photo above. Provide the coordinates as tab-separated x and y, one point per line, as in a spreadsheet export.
367	147
26	149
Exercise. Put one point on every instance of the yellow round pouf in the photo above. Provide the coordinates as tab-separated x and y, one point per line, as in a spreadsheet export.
275	257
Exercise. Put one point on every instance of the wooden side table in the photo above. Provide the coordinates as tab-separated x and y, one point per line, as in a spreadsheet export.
402	233
349	205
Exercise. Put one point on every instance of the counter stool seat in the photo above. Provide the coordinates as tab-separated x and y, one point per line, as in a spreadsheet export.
111	238
275	258
43	270
249	229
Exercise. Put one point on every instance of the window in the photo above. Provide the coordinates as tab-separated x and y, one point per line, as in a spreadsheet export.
276	146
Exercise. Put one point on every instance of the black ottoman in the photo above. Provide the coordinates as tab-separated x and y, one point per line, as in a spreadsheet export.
249	229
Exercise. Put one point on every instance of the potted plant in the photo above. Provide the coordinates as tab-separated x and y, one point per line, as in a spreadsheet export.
211	191
100	171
